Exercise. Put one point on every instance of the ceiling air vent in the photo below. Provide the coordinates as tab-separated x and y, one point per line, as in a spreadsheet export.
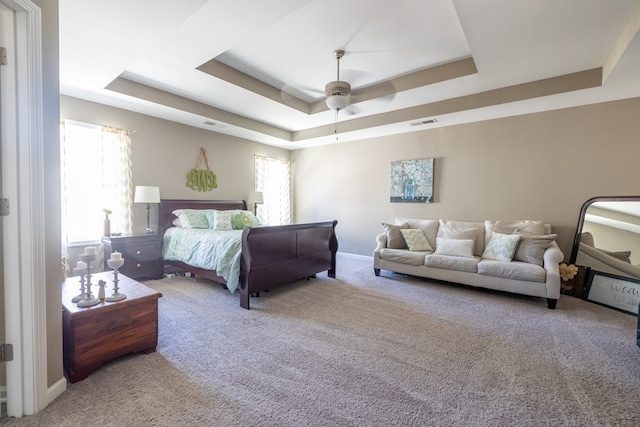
425	122
209	123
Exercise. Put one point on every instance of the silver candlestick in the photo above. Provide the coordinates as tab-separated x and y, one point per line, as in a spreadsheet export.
90	300
82	295
115	264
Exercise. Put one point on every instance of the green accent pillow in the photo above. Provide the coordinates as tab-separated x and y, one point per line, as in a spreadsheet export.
245	219
416	240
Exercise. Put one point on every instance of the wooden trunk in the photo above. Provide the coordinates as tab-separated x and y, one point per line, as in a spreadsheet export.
97	334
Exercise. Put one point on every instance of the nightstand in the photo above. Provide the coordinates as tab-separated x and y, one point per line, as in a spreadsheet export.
142	254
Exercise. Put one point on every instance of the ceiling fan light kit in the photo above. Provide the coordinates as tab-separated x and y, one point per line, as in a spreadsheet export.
338	92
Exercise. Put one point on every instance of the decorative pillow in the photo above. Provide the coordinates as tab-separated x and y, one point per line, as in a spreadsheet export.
455	226
222	220
621	255
192	218
501	247
415	239
459	233
455	247
531	248
523	227
394	236
244	219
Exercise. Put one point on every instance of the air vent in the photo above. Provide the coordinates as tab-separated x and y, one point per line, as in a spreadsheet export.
425	122
209	123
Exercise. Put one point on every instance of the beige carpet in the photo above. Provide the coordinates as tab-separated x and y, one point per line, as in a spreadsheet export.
366	351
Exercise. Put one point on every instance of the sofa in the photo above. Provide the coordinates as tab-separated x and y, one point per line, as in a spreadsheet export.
520	256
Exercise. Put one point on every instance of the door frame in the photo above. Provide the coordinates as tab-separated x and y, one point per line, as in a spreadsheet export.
24	242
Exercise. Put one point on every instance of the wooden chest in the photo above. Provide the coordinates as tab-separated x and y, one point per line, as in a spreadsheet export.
97	334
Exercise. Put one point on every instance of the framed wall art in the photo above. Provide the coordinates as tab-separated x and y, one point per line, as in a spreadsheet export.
621	293
412	181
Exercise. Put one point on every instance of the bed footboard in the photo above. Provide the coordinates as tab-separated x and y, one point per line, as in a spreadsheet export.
277	255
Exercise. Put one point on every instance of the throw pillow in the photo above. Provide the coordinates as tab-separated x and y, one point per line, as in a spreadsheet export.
531	248
192	218
459	233
245	219
455	247
222	220
394	236
501	247
621	255
415	239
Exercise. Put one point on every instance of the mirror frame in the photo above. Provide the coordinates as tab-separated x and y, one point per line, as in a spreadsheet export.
583	211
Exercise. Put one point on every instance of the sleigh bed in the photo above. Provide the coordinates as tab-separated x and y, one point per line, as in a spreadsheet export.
269	256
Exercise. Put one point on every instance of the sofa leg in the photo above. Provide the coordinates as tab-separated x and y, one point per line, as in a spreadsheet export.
376	271
551	303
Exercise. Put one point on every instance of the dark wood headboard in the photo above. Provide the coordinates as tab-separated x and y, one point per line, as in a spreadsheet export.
167	206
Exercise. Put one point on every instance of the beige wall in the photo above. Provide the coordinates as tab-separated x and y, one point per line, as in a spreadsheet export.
540	166
164	151
51	136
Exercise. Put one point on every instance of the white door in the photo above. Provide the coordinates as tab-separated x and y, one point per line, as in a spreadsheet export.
21	280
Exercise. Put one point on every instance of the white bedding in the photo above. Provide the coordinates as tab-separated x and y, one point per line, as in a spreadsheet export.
206	248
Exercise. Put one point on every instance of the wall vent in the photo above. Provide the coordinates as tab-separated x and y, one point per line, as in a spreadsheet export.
425	122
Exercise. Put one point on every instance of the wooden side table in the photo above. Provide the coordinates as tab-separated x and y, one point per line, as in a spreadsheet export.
142	254
97	334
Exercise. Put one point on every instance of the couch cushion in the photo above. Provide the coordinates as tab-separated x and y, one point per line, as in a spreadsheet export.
458	225
403	256
531	248
455	247
524	227
512	270
394	237
501	247
428	226
469	265
415	239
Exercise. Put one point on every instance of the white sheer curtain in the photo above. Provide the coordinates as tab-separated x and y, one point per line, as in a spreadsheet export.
273	179
96	175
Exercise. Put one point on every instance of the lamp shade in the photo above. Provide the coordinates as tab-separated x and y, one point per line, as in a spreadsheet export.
145	194
256	198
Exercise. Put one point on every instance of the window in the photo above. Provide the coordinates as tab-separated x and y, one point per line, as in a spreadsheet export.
273	179
96	175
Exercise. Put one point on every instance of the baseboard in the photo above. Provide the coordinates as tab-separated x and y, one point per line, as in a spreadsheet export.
56	390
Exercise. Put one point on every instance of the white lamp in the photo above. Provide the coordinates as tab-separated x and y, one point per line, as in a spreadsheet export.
256	198
145	194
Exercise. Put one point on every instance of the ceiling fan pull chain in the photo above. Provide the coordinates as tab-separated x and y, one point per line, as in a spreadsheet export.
336	125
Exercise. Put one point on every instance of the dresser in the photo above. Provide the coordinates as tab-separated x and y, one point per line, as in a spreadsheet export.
142	254
94	335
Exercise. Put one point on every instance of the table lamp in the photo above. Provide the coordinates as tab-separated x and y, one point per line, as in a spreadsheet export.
145	194
256	198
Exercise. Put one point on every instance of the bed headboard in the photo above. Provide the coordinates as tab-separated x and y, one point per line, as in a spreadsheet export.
167	206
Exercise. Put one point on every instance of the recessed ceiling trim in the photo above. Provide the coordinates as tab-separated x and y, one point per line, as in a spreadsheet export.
551	86
148	93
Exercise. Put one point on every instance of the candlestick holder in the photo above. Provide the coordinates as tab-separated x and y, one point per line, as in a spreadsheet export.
82	295
89	300
117	295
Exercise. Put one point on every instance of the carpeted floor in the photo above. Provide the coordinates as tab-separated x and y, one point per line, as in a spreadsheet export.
362	350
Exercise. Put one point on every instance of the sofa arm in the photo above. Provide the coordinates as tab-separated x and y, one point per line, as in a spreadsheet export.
553	256
381	241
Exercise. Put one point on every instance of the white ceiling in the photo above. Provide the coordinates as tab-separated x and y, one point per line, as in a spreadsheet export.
144	56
